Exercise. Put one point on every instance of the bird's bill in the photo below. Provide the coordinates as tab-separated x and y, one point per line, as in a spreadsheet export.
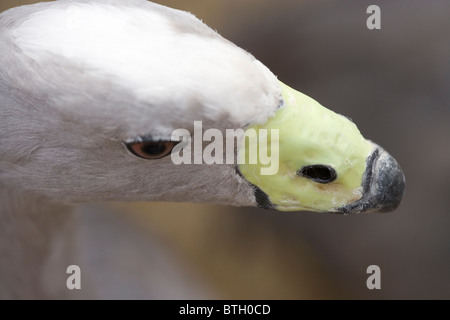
324	163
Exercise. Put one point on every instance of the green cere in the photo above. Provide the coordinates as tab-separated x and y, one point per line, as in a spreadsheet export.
309	134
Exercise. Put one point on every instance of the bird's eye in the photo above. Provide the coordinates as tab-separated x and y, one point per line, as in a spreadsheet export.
319	173
151	149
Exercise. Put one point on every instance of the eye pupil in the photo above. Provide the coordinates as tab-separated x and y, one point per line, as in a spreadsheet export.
154	148
318	173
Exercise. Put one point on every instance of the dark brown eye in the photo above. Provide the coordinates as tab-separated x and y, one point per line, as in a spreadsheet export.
151	149
318	173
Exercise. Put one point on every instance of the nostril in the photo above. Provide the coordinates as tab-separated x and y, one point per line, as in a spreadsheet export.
318	173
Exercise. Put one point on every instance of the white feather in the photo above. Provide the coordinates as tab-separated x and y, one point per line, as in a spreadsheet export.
77	79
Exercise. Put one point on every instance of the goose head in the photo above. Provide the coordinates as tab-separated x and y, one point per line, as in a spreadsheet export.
91	93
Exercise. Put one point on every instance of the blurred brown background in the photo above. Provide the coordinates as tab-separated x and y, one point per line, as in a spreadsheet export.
395	85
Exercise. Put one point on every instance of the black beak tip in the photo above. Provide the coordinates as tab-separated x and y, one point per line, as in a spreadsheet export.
383	185
389	183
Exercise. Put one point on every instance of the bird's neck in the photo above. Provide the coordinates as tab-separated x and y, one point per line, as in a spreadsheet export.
35	245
